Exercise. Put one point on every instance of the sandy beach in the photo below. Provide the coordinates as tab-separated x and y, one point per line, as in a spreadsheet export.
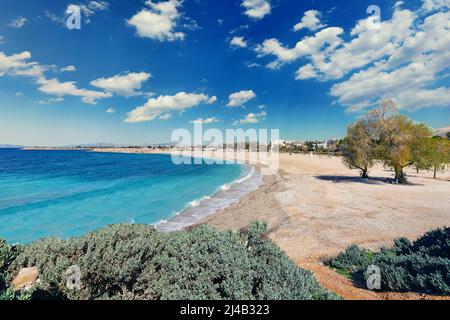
315	207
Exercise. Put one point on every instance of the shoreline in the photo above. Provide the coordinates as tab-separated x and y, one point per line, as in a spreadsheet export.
315	207
192	216
274	198
200	209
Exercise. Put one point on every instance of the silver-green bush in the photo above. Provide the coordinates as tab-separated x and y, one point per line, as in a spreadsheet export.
423	265
7	255
137	262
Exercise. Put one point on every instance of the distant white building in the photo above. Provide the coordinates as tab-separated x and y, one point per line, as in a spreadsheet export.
321	145
281	143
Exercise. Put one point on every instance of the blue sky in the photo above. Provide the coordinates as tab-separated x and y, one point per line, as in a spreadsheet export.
138	69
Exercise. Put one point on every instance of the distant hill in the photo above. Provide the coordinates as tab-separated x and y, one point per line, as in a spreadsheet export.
9	146
88	145
92	145
442	132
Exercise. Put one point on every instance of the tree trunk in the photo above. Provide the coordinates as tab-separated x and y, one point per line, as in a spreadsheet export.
399	175
364	173
435	170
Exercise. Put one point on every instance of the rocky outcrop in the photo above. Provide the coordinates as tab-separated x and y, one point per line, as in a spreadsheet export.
26	279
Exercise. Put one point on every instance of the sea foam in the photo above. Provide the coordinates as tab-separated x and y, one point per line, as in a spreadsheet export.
225	196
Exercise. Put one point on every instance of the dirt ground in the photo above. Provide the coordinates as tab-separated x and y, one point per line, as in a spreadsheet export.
315	207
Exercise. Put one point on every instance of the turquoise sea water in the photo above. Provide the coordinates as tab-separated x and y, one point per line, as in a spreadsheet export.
68	193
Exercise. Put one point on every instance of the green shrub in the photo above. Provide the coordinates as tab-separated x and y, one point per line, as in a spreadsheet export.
420	266
435	243
414	272
7	254
137	262
352	259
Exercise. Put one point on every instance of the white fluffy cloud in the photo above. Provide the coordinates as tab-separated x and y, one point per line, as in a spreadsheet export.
238	99
408	74
323	41
159	21
33	70
238	42
256	9
51	100
311	21
251	118
111	110
68	69
89	8
126	84
18	22
332	57
69	88
251	65
98	5
165	116
430	5
403	59
164	105
19	65
367	46
13	62
306	72
205	121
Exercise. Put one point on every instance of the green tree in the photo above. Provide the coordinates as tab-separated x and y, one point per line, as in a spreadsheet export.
310	145
421	155
434	154
397	137
359	147
402	138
